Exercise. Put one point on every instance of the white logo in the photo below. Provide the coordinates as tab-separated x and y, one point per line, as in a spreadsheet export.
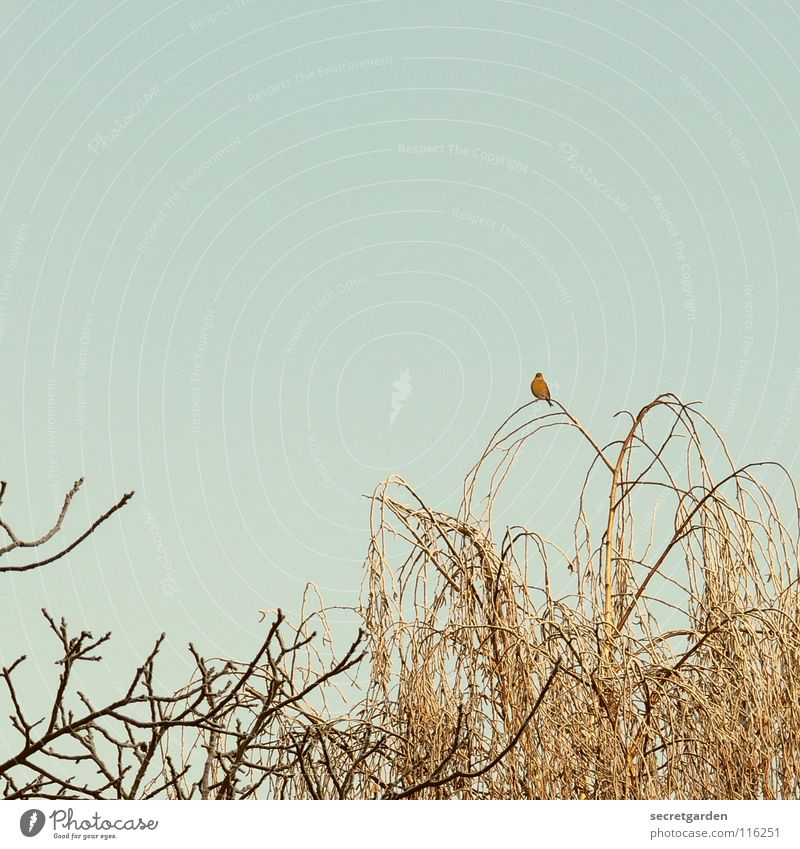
402	389
31	822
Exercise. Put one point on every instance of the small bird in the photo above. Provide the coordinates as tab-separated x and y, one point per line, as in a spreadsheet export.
539	388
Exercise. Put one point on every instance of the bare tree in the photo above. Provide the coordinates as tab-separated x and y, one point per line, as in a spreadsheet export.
124	748
653	656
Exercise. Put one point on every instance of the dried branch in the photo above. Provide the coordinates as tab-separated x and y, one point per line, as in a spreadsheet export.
655	655
17	542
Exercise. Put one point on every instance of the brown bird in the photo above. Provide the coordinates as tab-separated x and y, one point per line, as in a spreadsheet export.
539	388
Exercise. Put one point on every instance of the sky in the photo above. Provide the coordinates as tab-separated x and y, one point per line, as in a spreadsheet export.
257	257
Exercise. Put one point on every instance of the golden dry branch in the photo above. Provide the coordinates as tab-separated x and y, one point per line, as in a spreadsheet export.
677	638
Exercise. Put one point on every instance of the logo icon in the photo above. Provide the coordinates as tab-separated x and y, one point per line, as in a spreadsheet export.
402	389
31	822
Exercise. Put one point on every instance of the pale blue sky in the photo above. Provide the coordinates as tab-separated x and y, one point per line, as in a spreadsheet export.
228	230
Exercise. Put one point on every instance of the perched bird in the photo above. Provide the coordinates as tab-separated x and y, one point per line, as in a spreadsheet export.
539	388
